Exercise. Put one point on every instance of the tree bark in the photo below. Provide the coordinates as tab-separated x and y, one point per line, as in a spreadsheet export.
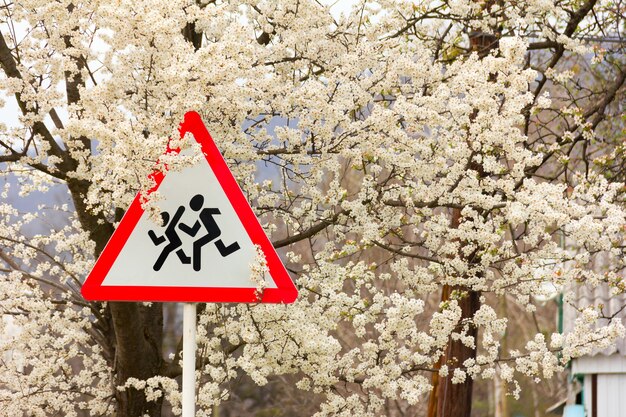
455	400
139	334
501	399
448	399
137	330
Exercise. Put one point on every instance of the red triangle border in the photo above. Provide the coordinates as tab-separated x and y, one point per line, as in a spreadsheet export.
285	292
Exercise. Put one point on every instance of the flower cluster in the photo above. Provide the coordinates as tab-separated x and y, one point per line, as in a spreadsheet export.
386	151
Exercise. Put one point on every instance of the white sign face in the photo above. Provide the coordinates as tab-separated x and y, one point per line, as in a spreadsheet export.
206	249
203	243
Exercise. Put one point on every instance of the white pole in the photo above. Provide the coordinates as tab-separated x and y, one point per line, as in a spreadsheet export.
189	360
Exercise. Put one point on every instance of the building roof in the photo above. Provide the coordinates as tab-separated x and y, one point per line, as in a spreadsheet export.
587	295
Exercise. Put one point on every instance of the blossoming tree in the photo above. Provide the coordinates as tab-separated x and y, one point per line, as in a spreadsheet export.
393	153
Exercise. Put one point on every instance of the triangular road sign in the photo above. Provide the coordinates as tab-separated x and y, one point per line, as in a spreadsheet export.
205	249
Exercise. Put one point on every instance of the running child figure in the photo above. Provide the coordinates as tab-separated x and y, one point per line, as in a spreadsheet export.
171	236
212	231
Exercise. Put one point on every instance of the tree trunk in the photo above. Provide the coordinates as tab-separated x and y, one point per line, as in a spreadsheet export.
502	405
139	334
137	330
448	399
455	400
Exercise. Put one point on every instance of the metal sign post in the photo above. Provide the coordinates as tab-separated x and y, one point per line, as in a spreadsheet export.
189	360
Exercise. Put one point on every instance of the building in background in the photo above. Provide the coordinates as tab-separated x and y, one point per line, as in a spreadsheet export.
601	374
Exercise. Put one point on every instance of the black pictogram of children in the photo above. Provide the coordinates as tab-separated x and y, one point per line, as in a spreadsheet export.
174	242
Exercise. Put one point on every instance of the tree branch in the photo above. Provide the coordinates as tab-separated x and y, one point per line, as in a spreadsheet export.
309	232
9	66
